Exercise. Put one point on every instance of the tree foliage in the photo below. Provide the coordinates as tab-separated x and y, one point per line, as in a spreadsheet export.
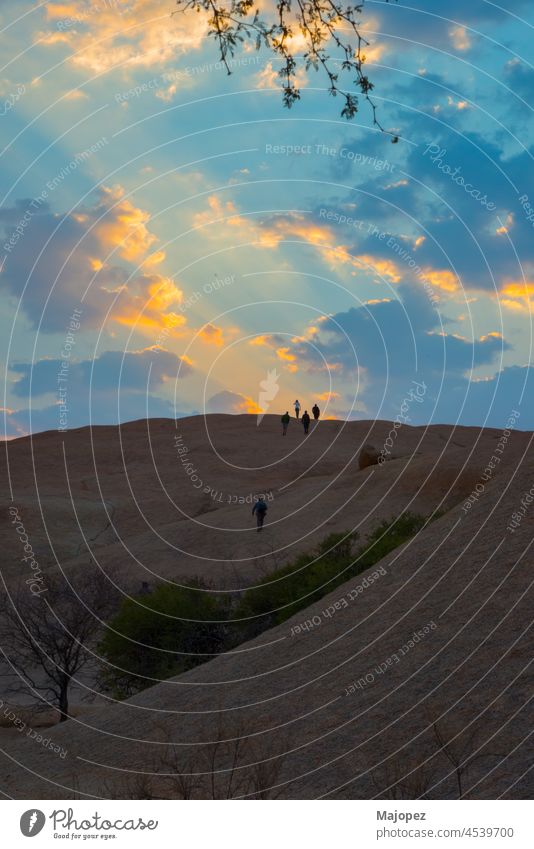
161	634
320	25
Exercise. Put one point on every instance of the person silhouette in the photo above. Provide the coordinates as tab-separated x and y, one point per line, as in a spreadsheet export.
285	421
297	408
260	509
316	412
306	421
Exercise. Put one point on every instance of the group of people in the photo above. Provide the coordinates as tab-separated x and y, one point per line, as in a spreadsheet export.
260	507
305	417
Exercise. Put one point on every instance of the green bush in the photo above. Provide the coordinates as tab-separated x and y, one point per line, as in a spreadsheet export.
165	632
309	578
161	634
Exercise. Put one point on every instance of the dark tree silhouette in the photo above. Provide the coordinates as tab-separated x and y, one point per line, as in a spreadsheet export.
321	24
48	639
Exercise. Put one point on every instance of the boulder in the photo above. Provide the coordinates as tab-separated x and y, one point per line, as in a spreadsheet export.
369	456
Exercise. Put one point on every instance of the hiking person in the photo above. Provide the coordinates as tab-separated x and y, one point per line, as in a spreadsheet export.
306	421
285	421
260	509
297	408
316	412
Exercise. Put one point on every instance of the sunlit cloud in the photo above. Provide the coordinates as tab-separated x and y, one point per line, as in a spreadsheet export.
126	229
269	78
127	33
102	253
212	335
284	354
507	226
460	38
458	104
327	396
260	340
233	402
518	296
385	267
442	279
76	94
145	304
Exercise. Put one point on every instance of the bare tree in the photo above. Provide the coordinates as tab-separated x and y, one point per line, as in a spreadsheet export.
450	751
320	24
404	778
235	764
47	639
462	748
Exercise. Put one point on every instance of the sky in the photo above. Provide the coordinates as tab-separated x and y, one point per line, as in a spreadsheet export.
173	241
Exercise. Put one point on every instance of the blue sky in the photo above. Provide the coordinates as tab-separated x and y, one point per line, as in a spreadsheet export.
208	237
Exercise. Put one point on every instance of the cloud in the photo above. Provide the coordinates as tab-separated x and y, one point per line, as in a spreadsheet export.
431	22
378	251
519	77
115	386
98	256
452	206
232	402
396	337
489	401
212	335
384	344
124	409
269	78
460	38
125	34
327	396
518	296
109	372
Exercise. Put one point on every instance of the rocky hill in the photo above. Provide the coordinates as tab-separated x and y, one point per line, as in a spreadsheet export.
417	682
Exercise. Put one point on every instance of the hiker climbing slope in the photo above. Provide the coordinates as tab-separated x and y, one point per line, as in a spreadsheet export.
285	421
260	509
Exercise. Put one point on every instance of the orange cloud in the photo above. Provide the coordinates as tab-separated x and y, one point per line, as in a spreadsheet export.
268	77
260	340
250	406
458	104
262	234
233	403
76	94
327	396
124	33
144	304
385	267
271	233
493	334
374	52
288	358
284	354
518	296
55	11
125	227
507	226
515	306
212	335
460	38
442	279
